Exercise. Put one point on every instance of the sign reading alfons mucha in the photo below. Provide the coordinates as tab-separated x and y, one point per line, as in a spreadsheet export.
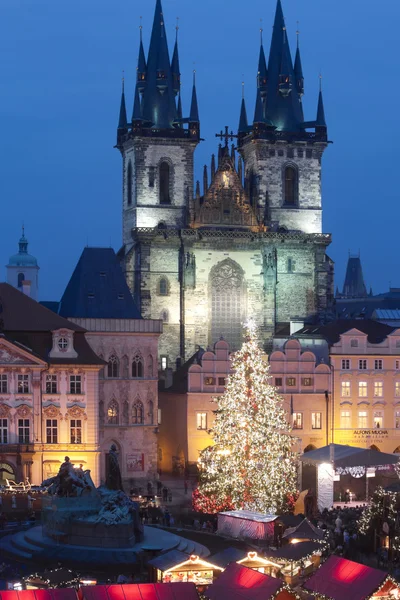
363	437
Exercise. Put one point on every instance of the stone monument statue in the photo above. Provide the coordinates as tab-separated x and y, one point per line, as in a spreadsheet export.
114	481
69	481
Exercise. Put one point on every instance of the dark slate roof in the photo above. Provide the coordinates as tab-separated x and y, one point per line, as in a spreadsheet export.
305	530
375	331
51	305
354	286
98	289
225	557
25	321
294	552
170	559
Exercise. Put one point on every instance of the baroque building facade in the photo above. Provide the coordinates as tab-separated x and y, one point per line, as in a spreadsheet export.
48	392
250	243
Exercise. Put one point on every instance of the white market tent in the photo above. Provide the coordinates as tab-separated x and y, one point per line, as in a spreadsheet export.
342	459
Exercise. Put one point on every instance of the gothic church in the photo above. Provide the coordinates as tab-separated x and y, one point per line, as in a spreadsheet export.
250	243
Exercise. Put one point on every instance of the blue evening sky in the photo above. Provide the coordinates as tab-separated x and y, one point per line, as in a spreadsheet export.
60	73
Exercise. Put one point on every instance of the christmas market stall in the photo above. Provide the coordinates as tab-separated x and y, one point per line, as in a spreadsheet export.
336	460
304	532
297	560
342	579
245	524
177	567
241	583
50	594
140	591
250	559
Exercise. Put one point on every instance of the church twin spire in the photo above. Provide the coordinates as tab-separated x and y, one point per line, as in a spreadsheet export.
157	105
280	87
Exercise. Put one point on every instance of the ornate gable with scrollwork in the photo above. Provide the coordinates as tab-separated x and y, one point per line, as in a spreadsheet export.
10	355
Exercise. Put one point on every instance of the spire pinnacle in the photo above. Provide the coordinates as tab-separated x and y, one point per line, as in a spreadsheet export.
137	109
194	108
123	121
175	67
243	121
321	120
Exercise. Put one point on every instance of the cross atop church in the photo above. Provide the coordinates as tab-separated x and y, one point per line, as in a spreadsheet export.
226	136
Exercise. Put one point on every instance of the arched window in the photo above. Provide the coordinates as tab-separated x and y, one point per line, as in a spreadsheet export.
291	186
113	413
150	366
137	366
21	278
227	303
129	184
137	413
113	366
164	173
151	412
373	447
163	287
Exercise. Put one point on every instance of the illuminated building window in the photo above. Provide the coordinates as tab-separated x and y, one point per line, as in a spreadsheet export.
397	419
297	420
75	384
291	381
346	389
164	183
307	381
164	362
362	364
278	381
137	413
378	419
354	343
397	389
378	389
221	381
23	431
362	389
345	419
113	366
209	381
51	431
129	184
316	420
201	420
345	364
163	287
137	366
3	431
227	302
75	429
3	384
113	413
51	384
363	419
378	364
23	384
291	186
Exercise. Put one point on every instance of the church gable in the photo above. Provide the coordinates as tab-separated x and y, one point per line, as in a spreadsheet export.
11	354
225	203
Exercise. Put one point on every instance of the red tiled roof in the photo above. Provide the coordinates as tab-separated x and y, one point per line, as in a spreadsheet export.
53	594
341	579
141	591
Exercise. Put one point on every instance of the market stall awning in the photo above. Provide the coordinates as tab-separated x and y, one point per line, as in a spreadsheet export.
304	531
241	583
50	594
168	560
141	591
294	552
348	456
222	559
341	579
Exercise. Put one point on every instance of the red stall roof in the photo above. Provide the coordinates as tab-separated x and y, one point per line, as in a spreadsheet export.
53	594
141	591
242	583
341	579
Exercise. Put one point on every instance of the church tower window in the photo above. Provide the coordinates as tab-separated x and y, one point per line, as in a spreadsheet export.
113	413
21	279
137	366
163	287
227	303
290	186
137	413
164	173
113	366
129	184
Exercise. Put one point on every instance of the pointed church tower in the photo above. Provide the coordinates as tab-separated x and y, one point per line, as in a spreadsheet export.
157	146
281	149
23	270
354	284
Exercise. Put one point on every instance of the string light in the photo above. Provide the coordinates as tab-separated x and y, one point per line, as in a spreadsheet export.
252	464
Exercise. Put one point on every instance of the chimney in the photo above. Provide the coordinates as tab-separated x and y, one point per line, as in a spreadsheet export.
26	288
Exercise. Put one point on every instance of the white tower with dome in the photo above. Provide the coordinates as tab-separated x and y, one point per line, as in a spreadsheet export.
23	270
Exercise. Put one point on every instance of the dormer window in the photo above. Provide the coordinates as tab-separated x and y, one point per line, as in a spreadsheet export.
62	343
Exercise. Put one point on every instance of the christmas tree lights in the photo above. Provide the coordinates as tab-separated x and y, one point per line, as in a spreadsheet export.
252	464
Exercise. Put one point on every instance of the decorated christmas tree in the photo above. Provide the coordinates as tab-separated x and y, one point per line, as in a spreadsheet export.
252	464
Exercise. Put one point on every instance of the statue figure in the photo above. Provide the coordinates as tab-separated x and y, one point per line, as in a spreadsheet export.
69	481
114	481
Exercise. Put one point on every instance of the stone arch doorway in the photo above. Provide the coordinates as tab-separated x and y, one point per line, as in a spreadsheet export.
7	471
373	447
227	293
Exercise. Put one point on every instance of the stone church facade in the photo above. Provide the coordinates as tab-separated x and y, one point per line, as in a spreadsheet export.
251	243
